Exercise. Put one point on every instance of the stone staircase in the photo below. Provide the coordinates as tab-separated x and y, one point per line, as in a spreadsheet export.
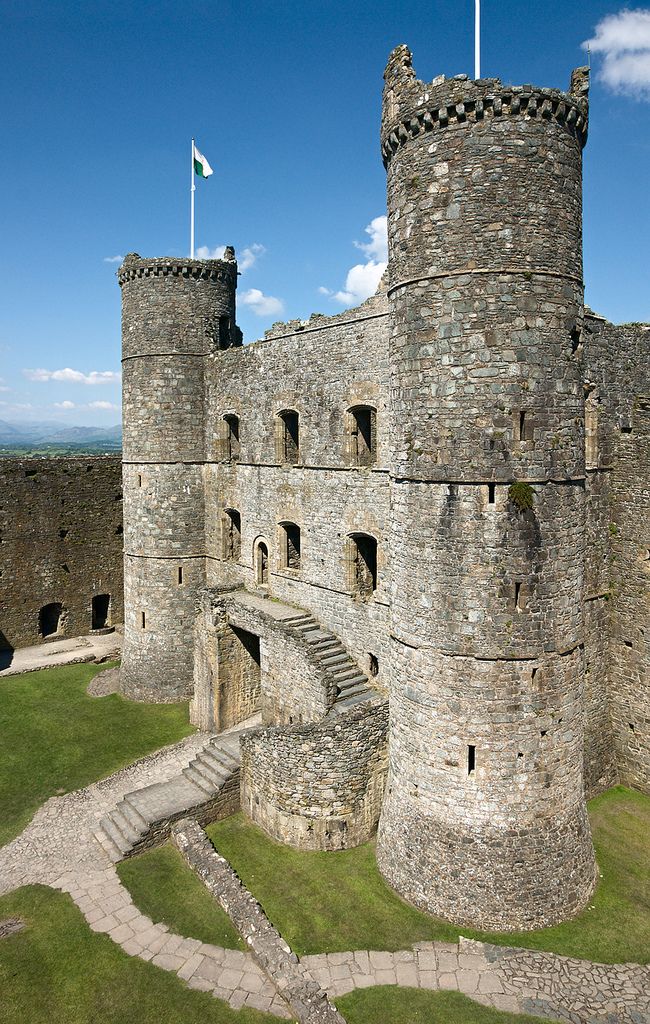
208	788
350	685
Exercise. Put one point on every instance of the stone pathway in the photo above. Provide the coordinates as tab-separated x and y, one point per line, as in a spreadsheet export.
58	849
73	651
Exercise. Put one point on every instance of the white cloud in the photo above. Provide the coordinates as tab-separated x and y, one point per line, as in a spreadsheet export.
624	41
103	405
64	405
3	386
74	376
261	304
246	259
113	259
205	253
249	256
362	279
377	248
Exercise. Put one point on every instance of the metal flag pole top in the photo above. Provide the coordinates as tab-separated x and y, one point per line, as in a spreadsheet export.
192	191
477	40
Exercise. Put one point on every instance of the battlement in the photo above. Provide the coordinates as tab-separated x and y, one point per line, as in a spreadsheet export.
411	107
135	266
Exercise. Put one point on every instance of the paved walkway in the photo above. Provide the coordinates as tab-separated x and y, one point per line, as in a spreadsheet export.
95	647
58	849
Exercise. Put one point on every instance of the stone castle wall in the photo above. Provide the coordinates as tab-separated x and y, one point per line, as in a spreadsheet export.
618	395
319	370
319	786
60	543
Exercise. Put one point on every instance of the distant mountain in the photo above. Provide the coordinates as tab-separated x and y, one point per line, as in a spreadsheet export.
51	431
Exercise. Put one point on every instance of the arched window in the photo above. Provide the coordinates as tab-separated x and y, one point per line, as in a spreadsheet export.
362	564
231	531
362	427
288	436
261	564
231	446
290	545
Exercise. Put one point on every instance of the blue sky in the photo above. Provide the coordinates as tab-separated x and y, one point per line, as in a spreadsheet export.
100	102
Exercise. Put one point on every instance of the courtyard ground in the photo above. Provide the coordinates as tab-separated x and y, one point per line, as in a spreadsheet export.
55	738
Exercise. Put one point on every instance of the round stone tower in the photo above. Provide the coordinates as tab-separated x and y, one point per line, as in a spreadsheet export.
174	313
484	821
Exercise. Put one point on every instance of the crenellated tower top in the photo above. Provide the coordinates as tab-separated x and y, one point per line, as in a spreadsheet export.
411	107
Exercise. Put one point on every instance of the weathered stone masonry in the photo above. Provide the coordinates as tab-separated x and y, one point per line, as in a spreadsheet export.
450	482
60	547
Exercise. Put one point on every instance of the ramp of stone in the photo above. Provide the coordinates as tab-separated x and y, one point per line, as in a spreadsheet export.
208	788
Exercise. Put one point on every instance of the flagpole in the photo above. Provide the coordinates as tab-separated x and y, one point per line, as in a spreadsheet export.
477	40
192	191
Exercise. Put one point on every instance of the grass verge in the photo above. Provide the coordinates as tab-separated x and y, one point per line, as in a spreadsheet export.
55	738
165	889
329	902
57	971
414	1006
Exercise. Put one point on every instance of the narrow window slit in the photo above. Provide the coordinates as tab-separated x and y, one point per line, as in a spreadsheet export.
180	575
471	759
491	493
143	620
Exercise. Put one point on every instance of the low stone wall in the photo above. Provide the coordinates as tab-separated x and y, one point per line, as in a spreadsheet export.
305	997
318	786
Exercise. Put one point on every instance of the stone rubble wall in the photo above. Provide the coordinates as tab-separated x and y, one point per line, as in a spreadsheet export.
60	541
319	786
305	997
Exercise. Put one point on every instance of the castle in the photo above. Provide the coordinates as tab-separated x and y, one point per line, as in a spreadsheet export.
413	535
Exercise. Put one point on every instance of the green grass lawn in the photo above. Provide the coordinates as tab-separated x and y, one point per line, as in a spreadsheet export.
390	1005
57	971
55	738
329	902
167	891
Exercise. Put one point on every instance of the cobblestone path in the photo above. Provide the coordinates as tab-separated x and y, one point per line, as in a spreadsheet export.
58	849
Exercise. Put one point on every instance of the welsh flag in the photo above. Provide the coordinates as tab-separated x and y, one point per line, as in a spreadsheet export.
201	165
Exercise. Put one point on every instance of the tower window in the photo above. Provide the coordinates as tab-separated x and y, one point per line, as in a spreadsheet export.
362	559
373	664
524	426
231	443
143	620
471	759
491	493
363	435
231	535
288	436
139	479
180	575
290	545
520	597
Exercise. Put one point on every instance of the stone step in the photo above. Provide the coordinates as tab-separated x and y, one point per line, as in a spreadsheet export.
213	770
107	844
133	816
336	659
322	641
346	672
198	778
221	756
334	651
357	680
351	691
121	822
112	831
342	705
310	627
163	800
293	619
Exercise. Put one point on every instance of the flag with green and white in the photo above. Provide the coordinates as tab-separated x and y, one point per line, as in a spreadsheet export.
201	165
